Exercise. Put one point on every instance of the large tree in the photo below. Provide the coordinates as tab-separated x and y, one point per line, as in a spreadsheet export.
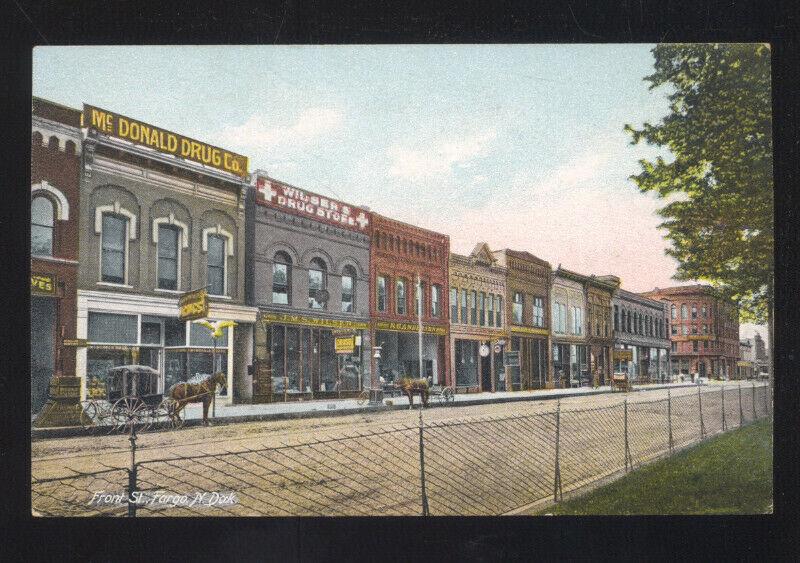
716	177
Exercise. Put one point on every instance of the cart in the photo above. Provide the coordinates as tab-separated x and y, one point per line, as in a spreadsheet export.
442	393
132	398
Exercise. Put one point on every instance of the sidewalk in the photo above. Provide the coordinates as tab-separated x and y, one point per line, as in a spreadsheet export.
335	407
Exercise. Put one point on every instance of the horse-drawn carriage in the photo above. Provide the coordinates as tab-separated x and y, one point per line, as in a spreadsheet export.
131	397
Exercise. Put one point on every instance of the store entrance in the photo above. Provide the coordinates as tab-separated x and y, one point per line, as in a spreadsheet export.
43	330
486	374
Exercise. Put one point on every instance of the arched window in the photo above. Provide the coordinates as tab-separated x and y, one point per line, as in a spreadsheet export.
42	226
113	248
169	244
69	148
52	143
281	278
37	139
216	264
317	283
348	289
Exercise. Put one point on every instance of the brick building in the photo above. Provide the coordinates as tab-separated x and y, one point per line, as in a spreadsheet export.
641	337
599	328
55	175
477	320
568	304
704	331
400	252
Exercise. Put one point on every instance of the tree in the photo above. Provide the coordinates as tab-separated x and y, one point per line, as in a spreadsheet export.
718	183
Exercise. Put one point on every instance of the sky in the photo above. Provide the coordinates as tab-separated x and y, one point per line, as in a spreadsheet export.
520	146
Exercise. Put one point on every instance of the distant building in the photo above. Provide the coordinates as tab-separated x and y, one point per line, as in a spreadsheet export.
761	356
568	304
704	331
641	339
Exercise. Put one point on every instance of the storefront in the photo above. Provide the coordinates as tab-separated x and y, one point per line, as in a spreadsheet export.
641	340
568	306
532	372
477	321
399	344
599	327
308	263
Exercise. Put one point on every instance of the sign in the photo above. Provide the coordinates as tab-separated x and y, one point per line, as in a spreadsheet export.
484	351
286	318
699	337
43	283
529	330
271	193
410	327
141	133
193	305
511	358
497	348
345	344
79	342
744	364
623	355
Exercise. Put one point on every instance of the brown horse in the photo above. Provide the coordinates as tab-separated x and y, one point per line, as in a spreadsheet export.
413	387
185	392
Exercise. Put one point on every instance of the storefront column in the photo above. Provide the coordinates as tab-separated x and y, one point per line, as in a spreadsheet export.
82	332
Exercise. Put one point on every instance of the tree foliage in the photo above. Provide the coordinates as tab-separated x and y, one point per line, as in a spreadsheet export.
718	188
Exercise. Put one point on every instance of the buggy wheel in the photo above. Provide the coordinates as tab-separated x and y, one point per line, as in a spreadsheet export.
362	397
88	414
169	407
447	395
128	411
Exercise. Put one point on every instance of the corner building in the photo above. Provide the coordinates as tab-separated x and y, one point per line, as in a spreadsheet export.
308	259
477	320
398	254
528	313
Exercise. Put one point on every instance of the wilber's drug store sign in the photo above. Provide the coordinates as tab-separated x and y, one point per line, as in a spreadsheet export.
275	194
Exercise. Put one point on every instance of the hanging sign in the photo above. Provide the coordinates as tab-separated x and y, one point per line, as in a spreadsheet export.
345	344
623	355
141	133
484	351
193	305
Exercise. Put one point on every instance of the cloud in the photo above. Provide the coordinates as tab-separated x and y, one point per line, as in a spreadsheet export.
260	131
439	157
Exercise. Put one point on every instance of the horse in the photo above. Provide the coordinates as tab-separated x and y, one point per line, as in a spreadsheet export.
412	387
203	391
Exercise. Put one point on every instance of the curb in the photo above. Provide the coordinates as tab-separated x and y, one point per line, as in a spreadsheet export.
74	431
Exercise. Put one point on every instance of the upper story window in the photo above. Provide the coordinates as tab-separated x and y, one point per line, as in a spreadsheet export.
685	330
673	312
464	306
317	283
629	323
482	308
684	311
419	293
169	244
705	329
705	312
694	310
538	311
517	308
401	297
436	300
577	320
616	317
281	278
490	309
348	289
453	305
216	264
498	310
473	310
381	294
113	251
674	330
42	226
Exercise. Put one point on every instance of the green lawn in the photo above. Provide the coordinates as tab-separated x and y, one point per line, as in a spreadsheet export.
729	474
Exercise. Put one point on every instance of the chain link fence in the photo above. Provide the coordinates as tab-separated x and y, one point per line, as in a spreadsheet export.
489	465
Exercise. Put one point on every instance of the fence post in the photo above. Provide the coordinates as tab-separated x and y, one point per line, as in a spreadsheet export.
766	400
557	474
628	466
741	412
669	419
700	406
425	511
755	415
723	407
131	488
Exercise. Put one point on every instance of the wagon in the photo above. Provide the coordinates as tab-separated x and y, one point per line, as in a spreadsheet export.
131	398
442	393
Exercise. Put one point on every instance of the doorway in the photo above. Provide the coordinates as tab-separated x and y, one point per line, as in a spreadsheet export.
486	373
43	332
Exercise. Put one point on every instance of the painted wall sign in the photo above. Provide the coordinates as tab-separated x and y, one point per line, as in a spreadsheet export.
529	330
285	318
271	193
193	305
43	283
410	327
141	133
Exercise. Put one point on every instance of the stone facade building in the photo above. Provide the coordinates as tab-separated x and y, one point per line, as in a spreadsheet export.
641	338
599	328
152	226
745	367
308	260
55	175
528	319
704	331
477	320
399	254
568	306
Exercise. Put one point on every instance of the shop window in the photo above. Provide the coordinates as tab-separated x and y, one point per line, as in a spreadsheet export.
151	330
538	311
199	335
113	248
112	328
381	291
174	332
281	279
482	308
317	283
473	310
518	307
490	311
401	296
498	311
466	360
464	306
216	264
168	256
453	304
348	289
42	226
436	298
